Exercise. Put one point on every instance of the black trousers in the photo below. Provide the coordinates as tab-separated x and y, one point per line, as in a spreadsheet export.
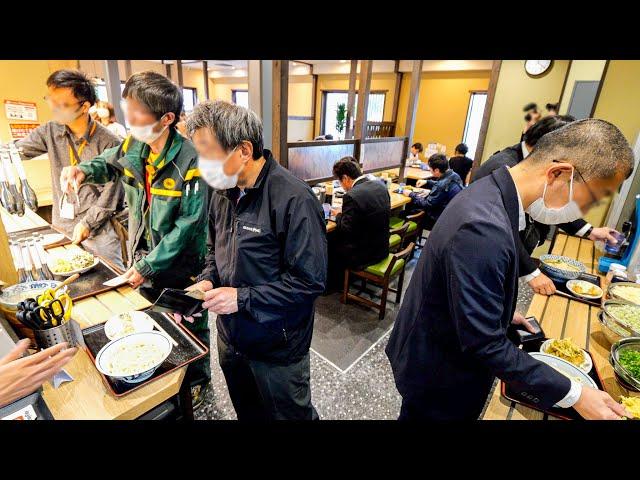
263	391
446	404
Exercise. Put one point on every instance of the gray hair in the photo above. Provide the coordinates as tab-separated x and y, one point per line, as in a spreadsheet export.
596	148
230	124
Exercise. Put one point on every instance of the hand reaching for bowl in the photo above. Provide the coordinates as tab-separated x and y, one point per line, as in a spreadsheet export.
603	234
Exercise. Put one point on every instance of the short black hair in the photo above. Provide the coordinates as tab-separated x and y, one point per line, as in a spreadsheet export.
156	92
530	106
77	81
347	166
439	161
544	126
553	106
462	148
418	146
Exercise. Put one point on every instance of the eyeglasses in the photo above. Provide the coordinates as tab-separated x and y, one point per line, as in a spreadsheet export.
595	201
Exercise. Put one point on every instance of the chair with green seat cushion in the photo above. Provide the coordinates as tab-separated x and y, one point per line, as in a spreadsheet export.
412	227
396	237
380	274
395	222
381	267
414	232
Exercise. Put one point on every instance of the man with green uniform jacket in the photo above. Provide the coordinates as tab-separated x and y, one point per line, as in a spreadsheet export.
165	195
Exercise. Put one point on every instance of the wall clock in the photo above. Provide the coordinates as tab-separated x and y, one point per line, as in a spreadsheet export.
535	68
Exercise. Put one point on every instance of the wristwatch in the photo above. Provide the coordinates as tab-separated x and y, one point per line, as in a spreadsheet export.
588	232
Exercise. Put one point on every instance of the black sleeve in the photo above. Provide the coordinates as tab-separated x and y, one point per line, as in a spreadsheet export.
572	227
345	221
526	263
476	270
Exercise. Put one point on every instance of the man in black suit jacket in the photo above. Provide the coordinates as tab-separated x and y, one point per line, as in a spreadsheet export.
362	226
449	340
535	233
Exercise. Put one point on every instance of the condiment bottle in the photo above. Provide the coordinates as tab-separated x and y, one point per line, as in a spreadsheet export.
617	273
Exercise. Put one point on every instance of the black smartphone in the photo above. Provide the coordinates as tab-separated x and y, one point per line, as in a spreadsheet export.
173	300
521	336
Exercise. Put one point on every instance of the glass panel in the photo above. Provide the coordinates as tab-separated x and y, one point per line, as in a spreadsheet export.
474	121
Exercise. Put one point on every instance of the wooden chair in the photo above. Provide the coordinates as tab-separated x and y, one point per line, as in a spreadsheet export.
379	274
396	237
414	232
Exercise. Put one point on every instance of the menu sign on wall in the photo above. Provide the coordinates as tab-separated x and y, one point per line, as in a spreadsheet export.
21	130
17	110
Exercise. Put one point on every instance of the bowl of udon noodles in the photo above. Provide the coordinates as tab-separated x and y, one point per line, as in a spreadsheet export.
135	357
562	268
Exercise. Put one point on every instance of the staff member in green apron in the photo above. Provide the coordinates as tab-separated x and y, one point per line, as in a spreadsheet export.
166	197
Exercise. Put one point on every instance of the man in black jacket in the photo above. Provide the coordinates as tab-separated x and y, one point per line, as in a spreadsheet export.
460	163
362	226
266	264
536	233
449	340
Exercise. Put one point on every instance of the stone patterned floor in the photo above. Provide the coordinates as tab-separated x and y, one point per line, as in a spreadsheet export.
365	392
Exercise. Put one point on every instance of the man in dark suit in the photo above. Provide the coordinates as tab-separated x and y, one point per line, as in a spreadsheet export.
449	340
362	226
536	233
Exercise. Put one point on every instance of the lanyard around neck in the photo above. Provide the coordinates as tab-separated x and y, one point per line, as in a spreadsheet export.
74	156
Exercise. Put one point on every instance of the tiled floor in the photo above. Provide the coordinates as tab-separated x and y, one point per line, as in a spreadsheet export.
365	391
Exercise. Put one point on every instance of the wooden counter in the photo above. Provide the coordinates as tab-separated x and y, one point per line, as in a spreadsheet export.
86	397
561	317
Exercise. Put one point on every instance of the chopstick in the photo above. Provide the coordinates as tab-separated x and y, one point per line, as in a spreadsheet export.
169	337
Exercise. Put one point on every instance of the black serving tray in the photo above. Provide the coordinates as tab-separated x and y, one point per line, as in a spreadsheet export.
91	283
563	413
189	349
561	288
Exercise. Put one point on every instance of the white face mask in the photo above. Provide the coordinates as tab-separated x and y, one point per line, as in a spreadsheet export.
555	216
145	133
92	110
102	112
212	171
65	117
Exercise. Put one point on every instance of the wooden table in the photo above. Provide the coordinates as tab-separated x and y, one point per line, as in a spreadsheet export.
561	317
397	201
86	397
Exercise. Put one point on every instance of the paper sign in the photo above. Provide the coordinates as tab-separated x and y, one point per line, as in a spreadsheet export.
16	110
26	413
21	130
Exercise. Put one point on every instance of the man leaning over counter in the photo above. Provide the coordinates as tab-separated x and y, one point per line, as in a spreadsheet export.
72	137
166	197
266	265
446	348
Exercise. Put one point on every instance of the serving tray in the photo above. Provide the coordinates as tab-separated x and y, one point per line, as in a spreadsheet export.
563	413
189	350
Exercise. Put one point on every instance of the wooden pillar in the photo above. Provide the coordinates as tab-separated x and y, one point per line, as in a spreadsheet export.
205	78
179	71
364	87
486	116
314	100
280	111
8	272
410	122
167	69
396	96
351	99
127	68
254	87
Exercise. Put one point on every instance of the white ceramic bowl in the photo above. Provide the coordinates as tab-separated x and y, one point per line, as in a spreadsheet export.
11	296
140	321
104	355
585	366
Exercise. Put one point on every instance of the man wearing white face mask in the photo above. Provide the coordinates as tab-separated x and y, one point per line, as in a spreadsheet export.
166	197
447	348
266	265
72	137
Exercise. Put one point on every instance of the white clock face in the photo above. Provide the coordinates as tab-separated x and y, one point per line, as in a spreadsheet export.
537	67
